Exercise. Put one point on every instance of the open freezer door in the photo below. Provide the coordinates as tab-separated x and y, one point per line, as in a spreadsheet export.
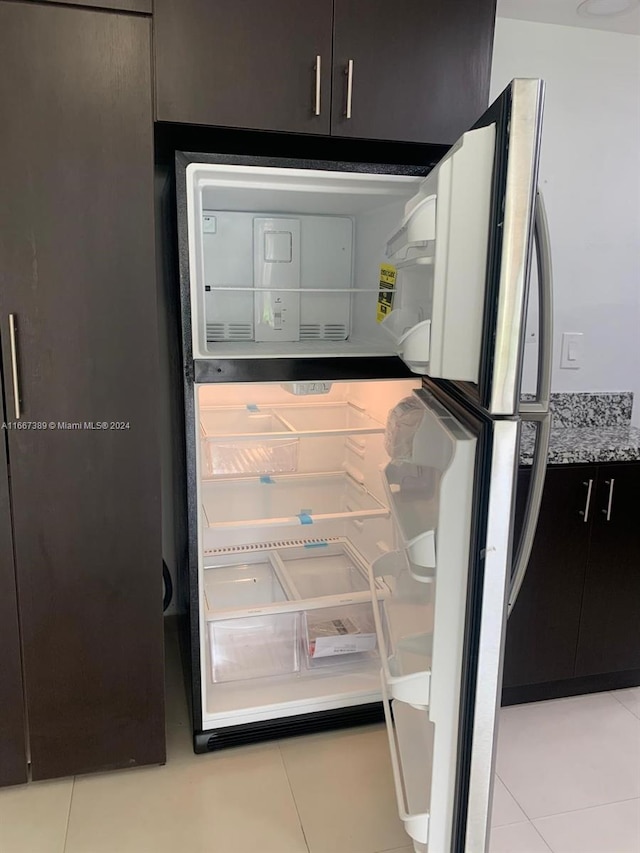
453	292
450	485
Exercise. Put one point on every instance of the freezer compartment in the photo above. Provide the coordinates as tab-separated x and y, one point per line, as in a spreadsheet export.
254	647
280	501
339	635
289	261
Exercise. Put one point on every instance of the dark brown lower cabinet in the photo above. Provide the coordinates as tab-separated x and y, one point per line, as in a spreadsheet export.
13	756
543	627
77	279
575	626
609	638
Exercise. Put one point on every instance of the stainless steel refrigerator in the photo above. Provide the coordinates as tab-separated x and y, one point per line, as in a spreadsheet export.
353	339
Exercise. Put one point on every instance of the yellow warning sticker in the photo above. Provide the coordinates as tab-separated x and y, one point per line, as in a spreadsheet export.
387	291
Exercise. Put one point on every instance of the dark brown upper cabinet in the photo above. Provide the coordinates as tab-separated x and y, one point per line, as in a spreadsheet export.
410	70
77	284
263	64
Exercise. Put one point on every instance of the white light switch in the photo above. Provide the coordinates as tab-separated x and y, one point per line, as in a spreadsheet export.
571	354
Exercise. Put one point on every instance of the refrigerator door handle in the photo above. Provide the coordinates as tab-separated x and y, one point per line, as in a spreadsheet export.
545	301
534	499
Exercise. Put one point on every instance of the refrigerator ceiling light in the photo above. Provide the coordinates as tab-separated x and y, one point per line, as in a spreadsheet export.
606	8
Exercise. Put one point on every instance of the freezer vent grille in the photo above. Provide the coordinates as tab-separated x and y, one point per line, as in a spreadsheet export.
229	332
263	546
323	332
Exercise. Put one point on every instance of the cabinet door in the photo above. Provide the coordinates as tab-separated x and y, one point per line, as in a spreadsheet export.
249	64
420	68
13	756
77	273
610	623
542	632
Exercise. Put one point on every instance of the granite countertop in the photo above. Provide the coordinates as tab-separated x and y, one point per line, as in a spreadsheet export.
587	427
569	445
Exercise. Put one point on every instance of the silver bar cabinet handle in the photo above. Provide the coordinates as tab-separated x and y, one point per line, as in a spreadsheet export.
14	366
607	511
585	512
318	68
349	73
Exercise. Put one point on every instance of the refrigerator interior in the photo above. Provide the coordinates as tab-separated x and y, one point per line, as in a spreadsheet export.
334	535
304	262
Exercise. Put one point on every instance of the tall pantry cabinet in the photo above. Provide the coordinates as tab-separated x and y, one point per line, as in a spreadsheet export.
78	332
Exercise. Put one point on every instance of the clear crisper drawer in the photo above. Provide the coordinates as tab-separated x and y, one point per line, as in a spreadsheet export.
254	647
241	458
323	570
241	586
339	635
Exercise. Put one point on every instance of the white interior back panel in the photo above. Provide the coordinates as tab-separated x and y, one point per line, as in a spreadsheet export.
275	278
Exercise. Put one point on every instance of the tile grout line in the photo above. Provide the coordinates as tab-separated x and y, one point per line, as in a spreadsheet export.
620	702
66	829
556	814
541	836
587	808
515	799
293	797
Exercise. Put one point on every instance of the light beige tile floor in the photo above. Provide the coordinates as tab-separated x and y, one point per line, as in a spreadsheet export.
568	782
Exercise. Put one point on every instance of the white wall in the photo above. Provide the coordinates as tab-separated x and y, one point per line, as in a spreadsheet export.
590	177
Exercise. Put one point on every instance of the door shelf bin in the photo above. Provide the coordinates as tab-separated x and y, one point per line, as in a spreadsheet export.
405	656
411	737
254	647
339	635
412	339
414	506
281	501
417	232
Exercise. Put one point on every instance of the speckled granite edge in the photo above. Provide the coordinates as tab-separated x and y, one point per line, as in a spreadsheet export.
571	446
590	409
